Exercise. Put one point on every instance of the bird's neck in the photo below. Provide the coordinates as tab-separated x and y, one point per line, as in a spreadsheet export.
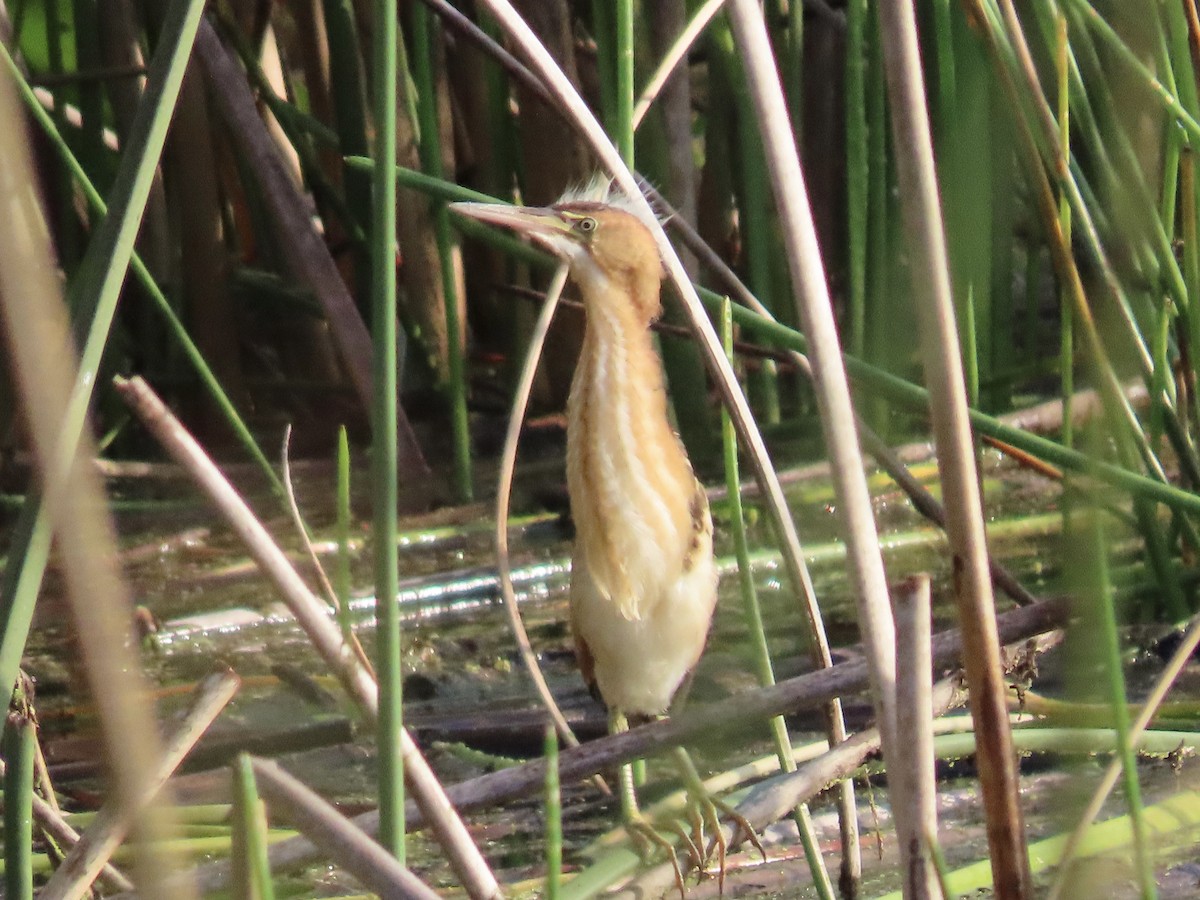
627	473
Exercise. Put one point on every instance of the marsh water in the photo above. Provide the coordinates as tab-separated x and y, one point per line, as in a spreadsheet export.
471	705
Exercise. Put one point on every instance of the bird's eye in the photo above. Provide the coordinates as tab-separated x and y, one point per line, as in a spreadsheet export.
587	225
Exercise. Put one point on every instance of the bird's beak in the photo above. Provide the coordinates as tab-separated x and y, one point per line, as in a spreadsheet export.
541	224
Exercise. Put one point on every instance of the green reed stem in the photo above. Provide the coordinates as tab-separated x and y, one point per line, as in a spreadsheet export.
70	240
938	856
1067	338
881	299
349	107
1112	40
737	525
1162	385
604	29
1191	265
857	173
341	565
90	91
252	868
624	64
754	621
20	748
1180	59
384	417
793	70
424	35
943	35
755	207
553	813
1168	198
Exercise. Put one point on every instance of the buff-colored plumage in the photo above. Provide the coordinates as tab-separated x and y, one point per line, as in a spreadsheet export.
643	583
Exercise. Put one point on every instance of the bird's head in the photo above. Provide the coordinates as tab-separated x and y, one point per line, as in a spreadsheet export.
610	251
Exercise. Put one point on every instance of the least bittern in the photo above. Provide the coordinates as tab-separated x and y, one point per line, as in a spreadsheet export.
643	580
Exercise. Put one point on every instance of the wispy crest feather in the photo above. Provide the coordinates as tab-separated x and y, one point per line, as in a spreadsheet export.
602	189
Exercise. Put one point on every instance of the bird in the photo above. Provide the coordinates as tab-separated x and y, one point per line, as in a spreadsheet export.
643	578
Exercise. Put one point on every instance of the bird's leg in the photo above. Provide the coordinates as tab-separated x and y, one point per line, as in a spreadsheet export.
643	834
705	809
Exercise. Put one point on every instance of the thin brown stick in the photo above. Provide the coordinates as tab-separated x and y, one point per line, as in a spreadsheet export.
914	731
783	792
41	772
810	778
74	878
955	451
504	478
1025	460
1193	24
313	616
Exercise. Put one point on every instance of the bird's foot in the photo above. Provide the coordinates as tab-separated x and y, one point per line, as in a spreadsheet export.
706	811
650	842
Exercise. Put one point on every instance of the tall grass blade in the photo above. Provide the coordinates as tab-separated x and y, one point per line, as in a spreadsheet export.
383	421
424	37
350	112
1101	603
20	748
758	636
252	870
623	15
857	210
553	816
341	565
